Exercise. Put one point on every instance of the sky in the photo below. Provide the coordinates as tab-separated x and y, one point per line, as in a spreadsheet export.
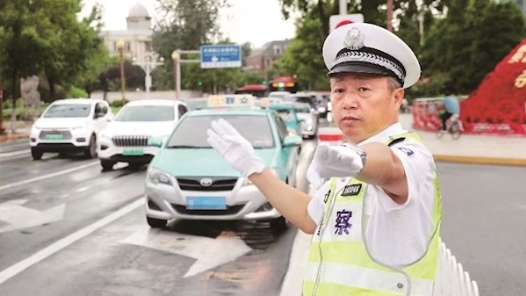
254	21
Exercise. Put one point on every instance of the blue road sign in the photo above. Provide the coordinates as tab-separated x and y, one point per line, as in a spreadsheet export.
221	56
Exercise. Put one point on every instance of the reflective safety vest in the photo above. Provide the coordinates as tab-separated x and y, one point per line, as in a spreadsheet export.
339	263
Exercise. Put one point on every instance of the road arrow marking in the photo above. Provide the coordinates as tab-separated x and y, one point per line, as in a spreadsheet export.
210	253
20	217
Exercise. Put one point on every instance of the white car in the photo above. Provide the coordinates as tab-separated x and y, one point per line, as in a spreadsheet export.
126	138
309	120
70	125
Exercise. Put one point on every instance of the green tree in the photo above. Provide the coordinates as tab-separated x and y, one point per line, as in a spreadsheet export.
374	11
303	55
185	25
97	60
463	47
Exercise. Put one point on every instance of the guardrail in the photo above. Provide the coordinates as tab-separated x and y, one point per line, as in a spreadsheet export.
452	280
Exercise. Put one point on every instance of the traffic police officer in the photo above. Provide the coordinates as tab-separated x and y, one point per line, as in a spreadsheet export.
376	220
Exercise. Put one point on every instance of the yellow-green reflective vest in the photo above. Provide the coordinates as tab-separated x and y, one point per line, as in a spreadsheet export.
340	265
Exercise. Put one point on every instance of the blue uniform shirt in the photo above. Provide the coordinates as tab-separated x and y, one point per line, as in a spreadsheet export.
451	104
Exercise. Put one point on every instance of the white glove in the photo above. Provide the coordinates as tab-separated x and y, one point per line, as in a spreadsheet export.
334	161
235	149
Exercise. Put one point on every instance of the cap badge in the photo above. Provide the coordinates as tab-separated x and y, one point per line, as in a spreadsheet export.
354	39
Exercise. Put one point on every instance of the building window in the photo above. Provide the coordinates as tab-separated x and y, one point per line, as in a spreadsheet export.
148	46
277	50
115	47
127	47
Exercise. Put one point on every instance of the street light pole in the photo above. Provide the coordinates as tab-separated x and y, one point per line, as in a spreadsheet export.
120	45
177	73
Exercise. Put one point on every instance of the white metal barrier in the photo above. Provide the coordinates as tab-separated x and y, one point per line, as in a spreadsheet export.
452	280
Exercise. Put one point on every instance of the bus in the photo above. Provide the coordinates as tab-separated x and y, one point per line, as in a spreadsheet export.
284	83
257	90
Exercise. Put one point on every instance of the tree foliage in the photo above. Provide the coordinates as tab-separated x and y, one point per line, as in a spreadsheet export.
464	47
186	25
463	40
45	37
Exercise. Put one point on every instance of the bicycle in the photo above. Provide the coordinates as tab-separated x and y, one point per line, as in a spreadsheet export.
453	127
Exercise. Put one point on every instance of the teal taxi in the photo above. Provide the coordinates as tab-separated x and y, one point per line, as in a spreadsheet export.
189	180
289	115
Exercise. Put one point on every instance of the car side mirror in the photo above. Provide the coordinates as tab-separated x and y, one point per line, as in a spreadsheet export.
155	142
292	140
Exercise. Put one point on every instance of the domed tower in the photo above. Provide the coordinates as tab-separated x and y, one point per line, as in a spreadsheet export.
138	18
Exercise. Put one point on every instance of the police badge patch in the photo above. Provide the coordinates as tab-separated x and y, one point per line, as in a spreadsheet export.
354	39
407	151
353	189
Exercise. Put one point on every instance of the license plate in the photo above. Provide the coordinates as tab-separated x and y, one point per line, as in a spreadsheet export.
133	152
54	137
206	203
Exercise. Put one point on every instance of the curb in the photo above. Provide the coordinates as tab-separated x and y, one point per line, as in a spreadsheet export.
480	160
293	281
10	137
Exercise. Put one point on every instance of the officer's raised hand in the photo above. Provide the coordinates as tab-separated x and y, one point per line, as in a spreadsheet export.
234	148
335	161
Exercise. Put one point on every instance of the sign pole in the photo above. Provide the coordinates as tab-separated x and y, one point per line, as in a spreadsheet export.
343	7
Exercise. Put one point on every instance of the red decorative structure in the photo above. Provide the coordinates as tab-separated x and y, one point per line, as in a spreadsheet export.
497	106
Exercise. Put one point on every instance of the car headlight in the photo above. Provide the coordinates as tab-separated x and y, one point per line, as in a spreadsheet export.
158	177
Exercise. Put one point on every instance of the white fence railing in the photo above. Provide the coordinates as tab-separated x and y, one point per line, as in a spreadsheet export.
452	280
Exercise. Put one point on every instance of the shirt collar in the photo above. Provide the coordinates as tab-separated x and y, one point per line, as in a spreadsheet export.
383	136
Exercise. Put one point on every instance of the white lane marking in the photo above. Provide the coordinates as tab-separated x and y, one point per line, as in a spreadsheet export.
11	154
83	189
47	176
17	268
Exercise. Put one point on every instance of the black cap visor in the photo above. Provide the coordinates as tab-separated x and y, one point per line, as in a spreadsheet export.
364	68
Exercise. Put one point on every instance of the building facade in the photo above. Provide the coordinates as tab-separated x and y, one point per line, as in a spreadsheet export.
137	37
261	58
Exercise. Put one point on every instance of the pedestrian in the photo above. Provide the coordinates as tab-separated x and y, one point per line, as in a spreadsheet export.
375	217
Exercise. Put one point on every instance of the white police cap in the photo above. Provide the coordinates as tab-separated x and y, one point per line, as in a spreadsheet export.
367	48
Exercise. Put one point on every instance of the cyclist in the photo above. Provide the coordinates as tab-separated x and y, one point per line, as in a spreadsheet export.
451	107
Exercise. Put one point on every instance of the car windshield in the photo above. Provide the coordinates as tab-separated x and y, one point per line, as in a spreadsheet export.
146	113
302	108
191	131
301	99
68	111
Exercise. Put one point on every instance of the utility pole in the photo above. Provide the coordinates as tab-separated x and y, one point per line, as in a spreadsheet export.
390	15
2	130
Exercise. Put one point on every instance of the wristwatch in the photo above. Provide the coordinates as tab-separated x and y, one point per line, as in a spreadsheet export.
359	151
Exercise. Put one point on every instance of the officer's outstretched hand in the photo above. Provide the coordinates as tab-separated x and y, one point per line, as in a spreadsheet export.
235	149
333	161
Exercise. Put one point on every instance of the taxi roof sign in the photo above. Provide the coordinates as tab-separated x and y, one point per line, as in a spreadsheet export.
231	101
